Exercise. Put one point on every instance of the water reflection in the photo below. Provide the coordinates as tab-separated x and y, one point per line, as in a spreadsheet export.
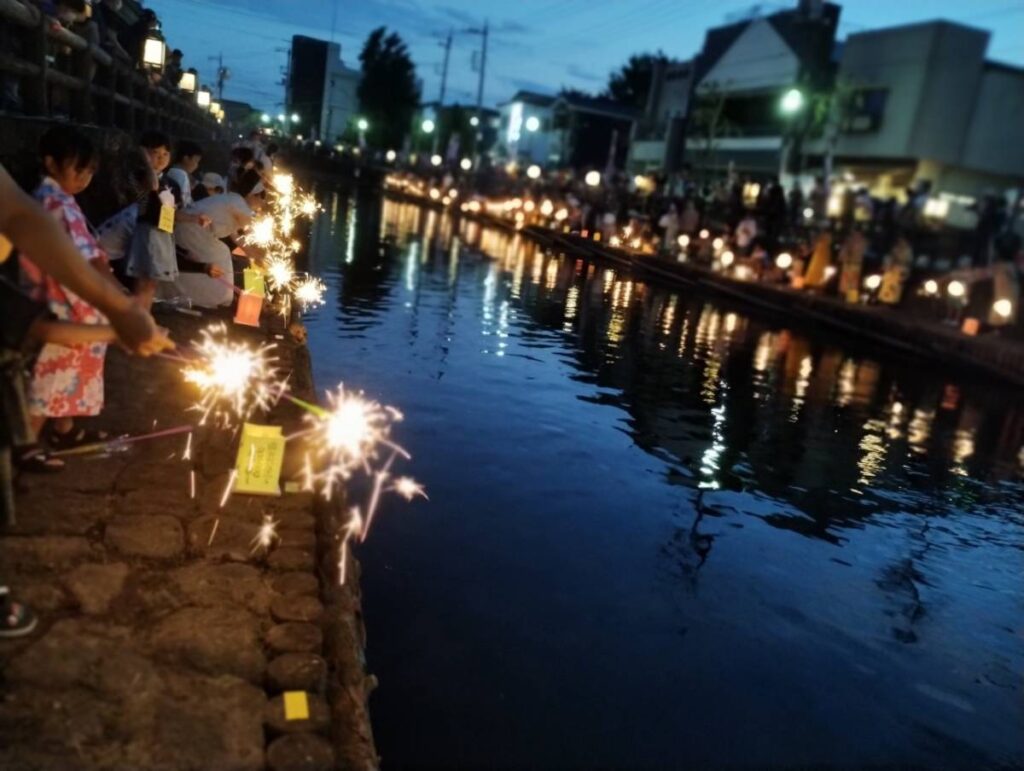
796	501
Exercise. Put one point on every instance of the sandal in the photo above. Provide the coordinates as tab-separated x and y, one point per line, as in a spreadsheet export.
69	440
16	620
36	460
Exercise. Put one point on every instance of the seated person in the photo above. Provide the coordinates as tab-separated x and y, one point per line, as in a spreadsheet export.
228	214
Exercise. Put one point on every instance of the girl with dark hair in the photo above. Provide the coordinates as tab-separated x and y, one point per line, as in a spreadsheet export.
67	378
151	256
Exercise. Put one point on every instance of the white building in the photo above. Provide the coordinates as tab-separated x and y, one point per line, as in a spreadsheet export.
526	133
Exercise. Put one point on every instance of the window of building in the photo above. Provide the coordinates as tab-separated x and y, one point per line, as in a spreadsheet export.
865	111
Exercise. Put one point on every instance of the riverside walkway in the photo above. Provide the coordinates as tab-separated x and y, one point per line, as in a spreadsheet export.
166	640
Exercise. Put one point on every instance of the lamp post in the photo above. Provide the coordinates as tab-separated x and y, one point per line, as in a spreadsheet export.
791	106
532	124
203	98
427	126
363	125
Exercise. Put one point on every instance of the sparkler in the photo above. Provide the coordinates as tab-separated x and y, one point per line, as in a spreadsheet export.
350	529
309	291
234	379
281	273
409	488
266	535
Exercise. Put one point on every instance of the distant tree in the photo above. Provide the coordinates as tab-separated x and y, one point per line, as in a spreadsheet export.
576	93
629	84
388	92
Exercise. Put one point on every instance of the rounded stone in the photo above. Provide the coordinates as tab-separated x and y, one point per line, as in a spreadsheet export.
291	559
296	582
296	539
295	638
296	609
94	587
274	716
297	672
300	752
158	536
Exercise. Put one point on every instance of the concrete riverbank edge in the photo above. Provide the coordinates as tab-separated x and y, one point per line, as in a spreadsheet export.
166	640
903	334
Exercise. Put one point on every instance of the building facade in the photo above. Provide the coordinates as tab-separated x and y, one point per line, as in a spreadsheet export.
526	130
921	103
659	133
320	89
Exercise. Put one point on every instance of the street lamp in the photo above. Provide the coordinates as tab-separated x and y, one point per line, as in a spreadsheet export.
466	164
295	117
154	50
390	156
203	97
533	172
281	117
265	118
792	101
362	124
427	126
474	121
435	160
188	82
532	123
593	178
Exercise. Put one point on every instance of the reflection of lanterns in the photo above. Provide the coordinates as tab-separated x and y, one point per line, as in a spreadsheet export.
956	289
533	172
203	97
435	160
873	282
154	50
727	258
784	261
466	164
931	287
1003	308
188	82
593	178
683	241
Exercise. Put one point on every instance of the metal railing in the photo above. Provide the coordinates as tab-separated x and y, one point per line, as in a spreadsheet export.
61	74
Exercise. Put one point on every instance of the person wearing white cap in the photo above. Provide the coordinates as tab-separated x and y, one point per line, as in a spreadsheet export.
211	184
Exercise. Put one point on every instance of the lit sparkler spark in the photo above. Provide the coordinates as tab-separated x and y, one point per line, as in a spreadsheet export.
266	535
284	184
353	527
408	488
262	232
234	379
309	291
280	272
308	205
348	437
227	490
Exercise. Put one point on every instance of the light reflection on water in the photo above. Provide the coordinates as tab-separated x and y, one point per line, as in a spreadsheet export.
663	532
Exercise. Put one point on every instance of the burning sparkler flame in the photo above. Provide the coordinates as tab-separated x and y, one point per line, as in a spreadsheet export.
266	535
409	488
309	291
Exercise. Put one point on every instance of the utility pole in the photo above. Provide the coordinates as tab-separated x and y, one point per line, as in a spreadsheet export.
447	46
483	32
222	74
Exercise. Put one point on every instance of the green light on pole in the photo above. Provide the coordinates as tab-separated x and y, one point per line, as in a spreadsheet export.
792	101
362	124
427	126
295	117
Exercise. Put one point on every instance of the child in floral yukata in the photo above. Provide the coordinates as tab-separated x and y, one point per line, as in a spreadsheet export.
67	378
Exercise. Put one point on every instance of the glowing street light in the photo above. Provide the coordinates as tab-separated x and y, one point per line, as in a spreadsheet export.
792	101
204	97
282	117
435	160
390	156
533	172
189	81
154	50
295	117
593	178
427	126
265	118
474	121
466	164
362	124
532	123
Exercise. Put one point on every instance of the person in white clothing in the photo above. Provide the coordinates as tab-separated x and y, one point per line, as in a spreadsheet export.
187	159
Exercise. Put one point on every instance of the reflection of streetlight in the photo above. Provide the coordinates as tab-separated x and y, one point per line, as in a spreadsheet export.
792	101
427	126
593	178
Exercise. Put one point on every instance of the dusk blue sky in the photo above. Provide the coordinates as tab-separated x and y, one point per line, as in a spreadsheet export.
536	44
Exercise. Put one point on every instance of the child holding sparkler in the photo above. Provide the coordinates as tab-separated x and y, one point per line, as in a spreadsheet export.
67	377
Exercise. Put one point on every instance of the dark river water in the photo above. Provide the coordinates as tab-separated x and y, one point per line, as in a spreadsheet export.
664	531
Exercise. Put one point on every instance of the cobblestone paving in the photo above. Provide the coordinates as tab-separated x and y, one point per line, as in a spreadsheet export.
159	648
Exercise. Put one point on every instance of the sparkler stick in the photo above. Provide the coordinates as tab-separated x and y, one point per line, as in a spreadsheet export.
117	443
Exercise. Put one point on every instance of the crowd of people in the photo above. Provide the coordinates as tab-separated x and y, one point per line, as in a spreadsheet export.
102	24
69	289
